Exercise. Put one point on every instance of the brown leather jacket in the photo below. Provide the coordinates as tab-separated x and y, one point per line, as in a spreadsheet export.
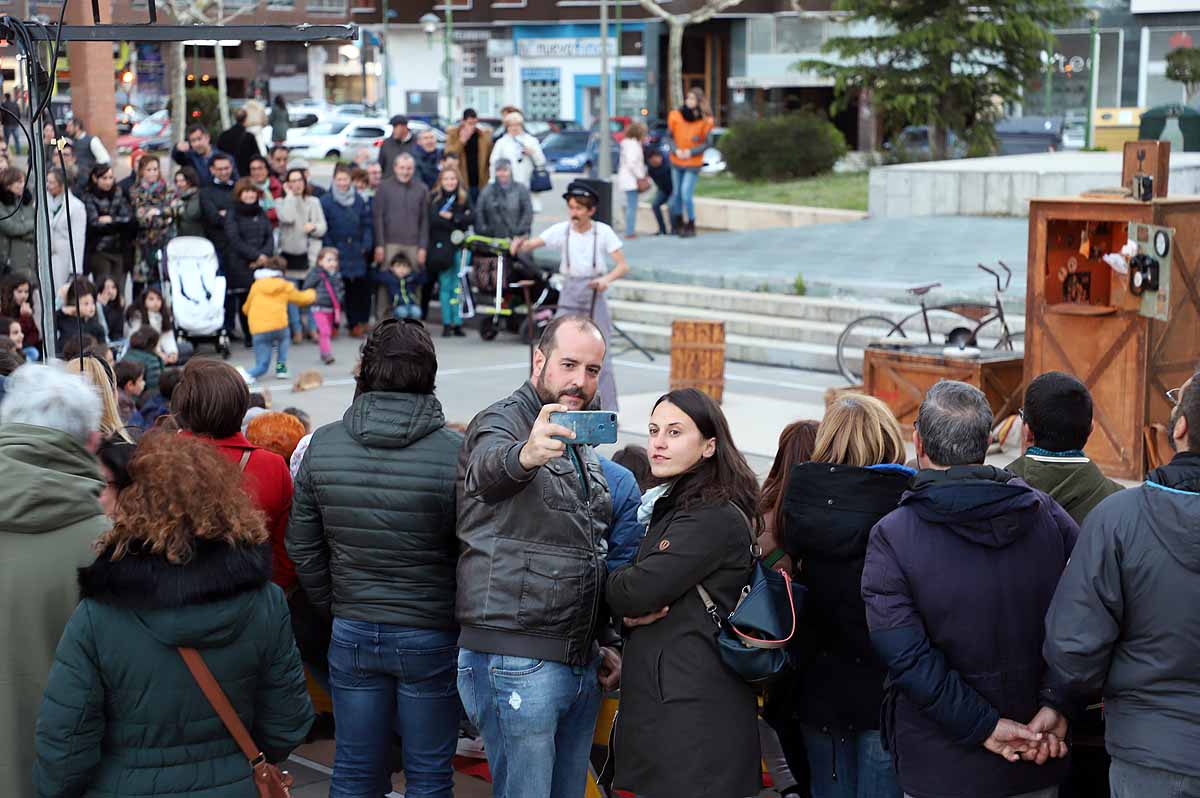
454	146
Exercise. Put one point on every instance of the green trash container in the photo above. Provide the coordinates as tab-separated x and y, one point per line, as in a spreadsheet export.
1183	120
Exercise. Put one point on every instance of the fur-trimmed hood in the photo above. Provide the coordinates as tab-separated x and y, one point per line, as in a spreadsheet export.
204	602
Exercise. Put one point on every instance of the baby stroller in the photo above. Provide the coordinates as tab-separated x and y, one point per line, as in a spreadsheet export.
509	288
197	292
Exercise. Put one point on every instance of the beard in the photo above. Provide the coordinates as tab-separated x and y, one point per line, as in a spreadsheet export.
550	395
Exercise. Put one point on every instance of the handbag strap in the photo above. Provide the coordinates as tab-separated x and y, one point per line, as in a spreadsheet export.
220	704
710	606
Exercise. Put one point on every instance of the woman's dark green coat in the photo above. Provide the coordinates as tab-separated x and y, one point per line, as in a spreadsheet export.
122	715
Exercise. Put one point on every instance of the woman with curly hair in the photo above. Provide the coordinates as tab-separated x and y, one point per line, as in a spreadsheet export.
152	201
179	568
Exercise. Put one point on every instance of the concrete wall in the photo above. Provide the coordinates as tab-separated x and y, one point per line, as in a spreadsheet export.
1003	186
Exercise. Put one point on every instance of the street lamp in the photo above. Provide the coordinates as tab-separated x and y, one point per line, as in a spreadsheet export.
429	24
1094	77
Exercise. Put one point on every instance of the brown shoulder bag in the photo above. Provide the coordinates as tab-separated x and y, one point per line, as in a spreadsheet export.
270	781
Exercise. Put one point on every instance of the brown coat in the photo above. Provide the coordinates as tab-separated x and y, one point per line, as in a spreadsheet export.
456	147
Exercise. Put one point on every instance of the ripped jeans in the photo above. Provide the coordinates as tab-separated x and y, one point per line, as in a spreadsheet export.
536	718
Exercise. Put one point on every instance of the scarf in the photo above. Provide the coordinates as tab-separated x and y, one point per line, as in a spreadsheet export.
344	198
267	200
252	209
55	204
649	499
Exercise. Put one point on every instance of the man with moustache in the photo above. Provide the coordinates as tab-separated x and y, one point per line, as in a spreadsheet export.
533	515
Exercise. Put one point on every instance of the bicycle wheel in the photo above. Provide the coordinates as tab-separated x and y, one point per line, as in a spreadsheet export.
855	338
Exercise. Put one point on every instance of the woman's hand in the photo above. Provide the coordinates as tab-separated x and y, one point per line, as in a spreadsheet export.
26	309
309	227
262	260
446	215
646	620
105	219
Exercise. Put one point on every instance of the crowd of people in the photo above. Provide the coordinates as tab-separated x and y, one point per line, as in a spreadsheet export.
958	621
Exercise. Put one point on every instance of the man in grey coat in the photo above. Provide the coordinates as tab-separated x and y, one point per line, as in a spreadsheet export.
401	209
1124	619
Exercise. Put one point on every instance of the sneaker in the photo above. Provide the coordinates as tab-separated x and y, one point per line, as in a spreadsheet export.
281	372
328	360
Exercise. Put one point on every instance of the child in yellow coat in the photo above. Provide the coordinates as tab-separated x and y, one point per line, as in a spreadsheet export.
266	310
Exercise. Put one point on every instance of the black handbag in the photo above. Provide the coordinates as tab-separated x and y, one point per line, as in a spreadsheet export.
539	181
753	639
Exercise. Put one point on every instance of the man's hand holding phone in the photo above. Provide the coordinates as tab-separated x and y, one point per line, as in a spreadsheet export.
543	446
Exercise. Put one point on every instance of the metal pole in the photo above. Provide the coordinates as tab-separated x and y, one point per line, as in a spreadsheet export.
41	227
386	49
1093	79
362	60
1048	99
617	82
448	65
605	132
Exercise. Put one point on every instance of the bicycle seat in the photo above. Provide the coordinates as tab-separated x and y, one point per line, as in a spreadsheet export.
922	290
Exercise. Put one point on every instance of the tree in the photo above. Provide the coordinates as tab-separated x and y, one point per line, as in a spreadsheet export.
948	63
1183	66
675	25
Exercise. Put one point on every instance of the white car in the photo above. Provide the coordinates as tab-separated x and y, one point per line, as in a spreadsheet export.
339	137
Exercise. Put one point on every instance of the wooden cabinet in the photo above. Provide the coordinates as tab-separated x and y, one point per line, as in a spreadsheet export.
1082	318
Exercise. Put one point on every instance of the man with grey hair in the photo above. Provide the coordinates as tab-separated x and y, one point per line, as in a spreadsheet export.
401	210
956	582
50	493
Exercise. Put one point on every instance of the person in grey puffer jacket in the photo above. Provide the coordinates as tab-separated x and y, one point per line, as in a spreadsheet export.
505	207
372	536
1124	620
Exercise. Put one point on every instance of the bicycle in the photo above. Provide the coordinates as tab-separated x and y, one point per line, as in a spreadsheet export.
865	329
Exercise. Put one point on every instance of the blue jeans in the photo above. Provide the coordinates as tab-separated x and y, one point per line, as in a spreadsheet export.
1127	780
299	318
389	679
403	311
537	719
631	205
683	183
849	765
264	346
661	198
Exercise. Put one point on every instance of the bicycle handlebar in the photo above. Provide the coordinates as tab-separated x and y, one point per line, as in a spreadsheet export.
1008	276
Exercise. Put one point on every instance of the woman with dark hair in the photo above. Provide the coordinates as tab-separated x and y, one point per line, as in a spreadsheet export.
16	222
179	568
16	302
189	215
796	444
855	477
251	245
109	225
152	200
210	402
351	231
114	455
688	724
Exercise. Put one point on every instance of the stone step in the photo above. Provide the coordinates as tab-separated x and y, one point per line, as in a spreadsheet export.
750	348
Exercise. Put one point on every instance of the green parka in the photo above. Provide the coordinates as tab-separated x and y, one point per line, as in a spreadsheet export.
49	489
122	715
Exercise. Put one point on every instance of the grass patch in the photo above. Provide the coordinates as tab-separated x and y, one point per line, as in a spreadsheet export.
846	190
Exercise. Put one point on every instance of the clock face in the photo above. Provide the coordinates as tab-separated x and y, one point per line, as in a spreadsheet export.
1162	243
1138	279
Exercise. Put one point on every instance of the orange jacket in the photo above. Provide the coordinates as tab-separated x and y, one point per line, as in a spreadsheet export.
691	136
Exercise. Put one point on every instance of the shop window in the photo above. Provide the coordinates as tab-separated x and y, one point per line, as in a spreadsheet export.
541	99
496	68
326	6
470	64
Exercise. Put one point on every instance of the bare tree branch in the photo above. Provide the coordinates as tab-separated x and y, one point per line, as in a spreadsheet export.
657	10
710	9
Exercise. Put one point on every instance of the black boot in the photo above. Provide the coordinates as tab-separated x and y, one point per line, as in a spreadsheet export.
689	230
447	331
676	225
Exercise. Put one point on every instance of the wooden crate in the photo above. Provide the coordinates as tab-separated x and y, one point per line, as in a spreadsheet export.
1126	360
698	357
901	377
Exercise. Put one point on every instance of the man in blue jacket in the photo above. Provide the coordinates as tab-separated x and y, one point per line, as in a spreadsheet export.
197	151
1124	619
956	583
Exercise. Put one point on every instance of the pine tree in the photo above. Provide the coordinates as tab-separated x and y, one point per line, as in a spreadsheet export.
948	63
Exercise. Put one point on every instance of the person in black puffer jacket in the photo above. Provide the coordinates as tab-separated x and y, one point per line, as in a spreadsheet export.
372	536
251	246
109	225
830	505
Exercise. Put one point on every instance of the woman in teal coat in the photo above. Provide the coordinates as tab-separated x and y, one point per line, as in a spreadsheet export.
122	715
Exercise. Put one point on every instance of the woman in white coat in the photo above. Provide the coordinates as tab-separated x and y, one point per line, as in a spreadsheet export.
631	172
64	204
520	148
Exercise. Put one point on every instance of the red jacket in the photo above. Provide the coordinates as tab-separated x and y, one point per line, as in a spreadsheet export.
268	481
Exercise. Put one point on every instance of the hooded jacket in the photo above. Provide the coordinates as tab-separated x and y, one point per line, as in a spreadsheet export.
956	583
122	715
249	235
266	306
372	528
829	511
1076	483
1124	618
52	517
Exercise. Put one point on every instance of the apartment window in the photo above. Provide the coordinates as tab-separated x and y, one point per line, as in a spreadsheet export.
470	64
762	35
281	5
326	6
496	68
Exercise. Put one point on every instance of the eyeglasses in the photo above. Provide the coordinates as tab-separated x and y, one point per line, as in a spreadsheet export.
1174	395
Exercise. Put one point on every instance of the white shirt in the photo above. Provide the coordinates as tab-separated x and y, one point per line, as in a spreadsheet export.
587	253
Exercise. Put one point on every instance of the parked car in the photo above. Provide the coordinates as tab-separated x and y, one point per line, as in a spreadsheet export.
912	144
1074	135
152	133
416	126
567	150
337	136
127	117
592	164
541	129
617	124
1027	134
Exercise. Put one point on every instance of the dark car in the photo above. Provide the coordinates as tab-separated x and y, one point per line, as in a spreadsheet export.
592	164
912	144
566	151
1025	134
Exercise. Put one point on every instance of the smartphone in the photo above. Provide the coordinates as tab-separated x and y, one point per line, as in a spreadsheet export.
591	427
